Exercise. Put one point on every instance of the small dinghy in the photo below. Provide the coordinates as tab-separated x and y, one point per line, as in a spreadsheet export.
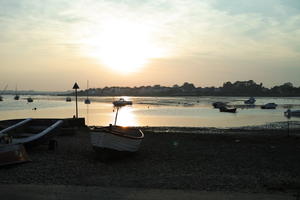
12	154
113	141
116	138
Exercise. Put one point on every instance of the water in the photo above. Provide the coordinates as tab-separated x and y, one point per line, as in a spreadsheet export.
151	111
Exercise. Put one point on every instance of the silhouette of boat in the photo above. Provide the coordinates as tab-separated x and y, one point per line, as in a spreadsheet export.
87	100
68	99
29	100
292	113
218	104
121	102
16	97
269	106
251	100
225	109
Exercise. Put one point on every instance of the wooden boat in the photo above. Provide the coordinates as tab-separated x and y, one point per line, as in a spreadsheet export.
269	106
29	132
122	102
12	154
225	109
116	138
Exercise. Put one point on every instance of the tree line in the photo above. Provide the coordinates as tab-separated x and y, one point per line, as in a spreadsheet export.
238	88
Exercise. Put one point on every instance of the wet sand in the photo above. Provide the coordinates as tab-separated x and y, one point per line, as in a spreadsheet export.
236	162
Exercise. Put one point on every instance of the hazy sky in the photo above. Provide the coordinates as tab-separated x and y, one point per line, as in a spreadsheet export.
50	44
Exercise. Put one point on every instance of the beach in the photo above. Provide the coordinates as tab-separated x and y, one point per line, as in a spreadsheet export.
234	162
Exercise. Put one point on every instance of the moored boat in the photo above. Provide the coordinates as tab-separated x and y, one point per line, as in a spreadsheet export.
68	99
292	113
218	104
122	102
251	100
116	139
29	100
226	109
269	106
12	154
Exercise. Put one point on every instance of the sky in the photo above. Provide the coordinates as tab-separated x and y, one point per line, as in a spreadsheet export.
50	44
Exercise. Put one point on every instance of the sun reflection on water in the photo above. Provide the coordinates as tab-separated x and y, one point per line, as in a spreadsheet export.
126	117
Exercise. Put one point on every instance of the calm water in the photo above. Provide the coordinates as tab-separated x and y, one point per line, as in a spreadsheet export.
150	111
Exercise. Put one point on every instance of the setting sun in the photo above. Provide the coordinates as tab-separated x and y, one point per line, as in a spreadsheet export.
123	46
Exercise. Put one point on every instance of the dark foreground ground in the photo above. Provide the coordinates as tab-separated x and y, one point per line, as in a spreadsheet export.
212	162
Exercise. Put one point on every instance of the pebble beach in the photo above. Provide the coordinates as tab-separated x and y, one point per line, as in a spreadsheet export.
256	162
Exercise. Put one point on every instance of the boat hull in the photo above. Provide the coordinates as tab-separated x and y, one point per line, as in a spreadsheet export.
12	154
116	139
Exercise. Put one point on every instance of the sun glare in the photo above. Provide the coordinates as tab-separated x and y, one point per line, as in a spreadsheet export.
123	46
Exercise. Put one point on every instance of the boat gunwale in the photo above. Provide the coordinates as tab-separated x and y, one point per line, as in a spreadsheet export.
119	133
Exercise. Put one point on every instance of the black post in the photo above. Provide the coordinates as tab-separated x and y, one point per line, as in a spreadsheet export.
76	87
76	103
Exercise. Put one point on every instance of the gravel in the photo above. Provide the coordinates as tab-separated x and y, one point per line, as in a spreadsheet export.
169	160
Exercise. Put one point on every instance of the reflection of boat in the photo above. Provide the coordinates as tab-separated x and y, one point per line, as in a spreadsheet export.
218	104
29	100
251	100
292	113
269	106
122	102
12	154
116	139
225	109
68	99
29	132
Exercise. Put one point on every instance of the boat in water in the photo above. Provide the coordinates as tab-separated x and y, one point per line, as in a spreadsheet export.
226	109
87	100
269	106
292	113
1	98
16	97
121	102
29	100
68	99
250	101
116	139
218	104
